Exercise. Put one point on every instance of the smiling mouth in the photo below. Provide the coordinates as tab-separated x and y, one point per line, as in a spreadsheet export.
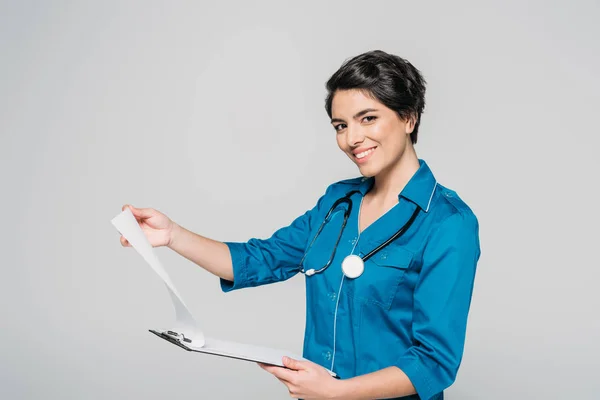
364	154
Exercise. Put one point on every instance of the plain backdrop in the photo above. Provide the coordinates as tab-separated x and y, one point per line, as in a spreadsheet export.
213	113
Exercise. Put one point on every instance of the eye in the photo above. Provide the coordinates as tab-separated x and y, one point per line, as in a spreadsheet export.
369	118
339	127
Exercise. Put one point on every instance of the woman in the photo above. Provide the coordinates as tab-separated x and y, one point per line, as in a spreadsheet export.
394	324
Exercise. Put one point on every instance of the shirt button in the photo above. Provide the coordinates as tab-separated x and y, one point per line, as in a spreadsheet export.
448	194
332	296
327	356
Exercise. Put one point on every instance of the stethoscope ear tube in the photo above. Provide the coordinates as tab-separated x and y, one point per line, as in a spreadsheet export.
345	199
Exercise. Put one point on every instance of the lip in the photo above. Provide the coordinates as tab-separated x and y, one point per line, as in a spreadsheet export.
361	149
367	157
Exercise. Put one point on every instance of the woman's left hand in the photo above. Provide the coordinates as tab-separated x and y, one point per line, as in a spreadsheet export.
305	379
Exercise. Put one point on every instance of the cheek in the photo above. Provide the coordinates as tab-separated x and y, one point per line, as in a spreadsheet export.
380	132
391	132
391	140
340	142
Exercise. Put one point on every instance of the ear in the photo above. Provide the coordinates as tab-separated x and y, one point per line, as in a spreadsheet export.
410	124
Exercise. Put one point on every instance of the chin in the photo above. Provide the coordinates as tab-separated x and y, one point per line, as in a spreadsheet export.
368	172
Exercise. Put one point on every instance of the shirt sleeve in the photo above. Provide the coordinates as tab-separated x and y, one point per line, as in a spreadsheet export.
263	261
441	304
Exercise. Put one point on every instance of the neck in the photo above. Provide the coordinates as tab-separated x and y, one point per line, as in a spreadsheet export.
389	183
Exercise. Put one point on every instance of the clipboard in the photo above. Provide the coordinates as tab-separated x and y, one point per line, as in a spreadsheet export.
229	349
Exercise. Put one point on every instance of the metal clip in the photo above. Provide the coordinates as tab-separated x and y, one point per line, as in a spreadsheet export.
179	336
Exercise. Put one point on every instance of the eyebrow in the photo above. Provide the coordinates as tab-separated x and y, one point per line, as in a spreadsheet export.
357	115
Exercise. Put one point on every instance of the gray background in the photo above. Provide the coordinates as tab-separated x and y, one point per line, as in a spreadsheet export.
213	114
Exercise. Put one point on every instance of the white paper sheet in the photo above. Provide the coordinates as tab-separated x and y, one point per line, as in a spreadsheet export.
128	226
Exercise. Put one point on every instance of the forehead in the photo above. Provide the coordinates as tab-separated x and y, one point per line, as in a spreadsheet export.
349	102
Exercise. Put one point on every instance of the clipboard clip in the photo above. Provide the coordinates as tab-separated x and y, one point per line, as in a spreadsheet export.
178	336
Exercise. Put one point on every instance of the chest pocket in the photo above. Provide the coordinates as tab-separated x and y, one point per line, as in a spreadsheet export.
381	278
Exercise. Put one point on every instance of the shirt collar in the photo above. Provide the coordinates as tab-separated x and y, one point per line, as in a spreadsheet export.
419	189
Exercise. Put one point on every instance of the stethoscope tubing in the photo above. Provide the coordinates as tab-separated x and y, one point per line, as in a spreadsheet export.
347	212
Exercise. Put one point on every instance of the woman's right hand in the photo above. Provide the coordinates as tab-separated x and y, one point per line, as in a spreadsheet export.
157	227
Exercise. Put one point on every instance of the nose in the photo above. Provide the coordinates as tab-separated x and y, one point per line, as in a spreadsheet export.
354	135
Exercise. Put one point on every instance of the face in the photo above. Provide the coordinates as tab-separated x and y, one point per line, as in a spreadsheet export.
372	135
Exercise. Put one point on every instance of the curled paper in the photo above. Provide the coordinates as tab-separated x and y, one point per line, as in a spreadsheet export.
185	324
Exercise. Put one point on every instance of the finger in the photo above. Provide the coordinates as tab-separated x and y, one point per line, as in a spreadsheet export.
293	391
124	242
270	368
263	366
286	383
292	388
142	212
296	365
281	373
138	212
267	367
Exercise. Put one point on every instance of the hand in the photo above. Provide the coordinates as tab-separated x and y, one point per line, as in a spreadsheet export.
157	227
305	379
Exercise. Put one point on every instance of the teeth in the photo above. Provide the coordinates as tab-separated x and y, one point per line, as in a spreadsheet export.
364	153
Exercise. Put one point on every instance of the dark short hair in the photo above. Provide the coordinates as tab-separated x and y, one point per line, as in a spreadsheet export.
391	80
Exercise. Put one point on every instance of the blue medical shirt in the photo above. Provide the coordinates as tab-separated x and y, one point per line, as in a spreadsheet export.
409	307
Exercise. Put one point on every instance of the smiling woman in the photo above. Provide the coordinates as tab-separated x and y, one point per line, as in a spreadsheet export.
389	257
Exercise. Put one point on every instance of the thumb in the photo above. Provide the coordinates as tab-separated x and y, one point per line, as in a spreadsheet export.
293	364
139	212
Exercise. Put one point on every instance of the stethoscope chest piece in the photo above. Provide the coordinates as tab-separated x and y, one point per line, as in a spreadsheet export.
353	266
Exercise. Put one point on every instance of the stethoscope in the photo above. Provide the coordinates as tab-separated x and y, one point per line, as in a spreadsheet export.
353	265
